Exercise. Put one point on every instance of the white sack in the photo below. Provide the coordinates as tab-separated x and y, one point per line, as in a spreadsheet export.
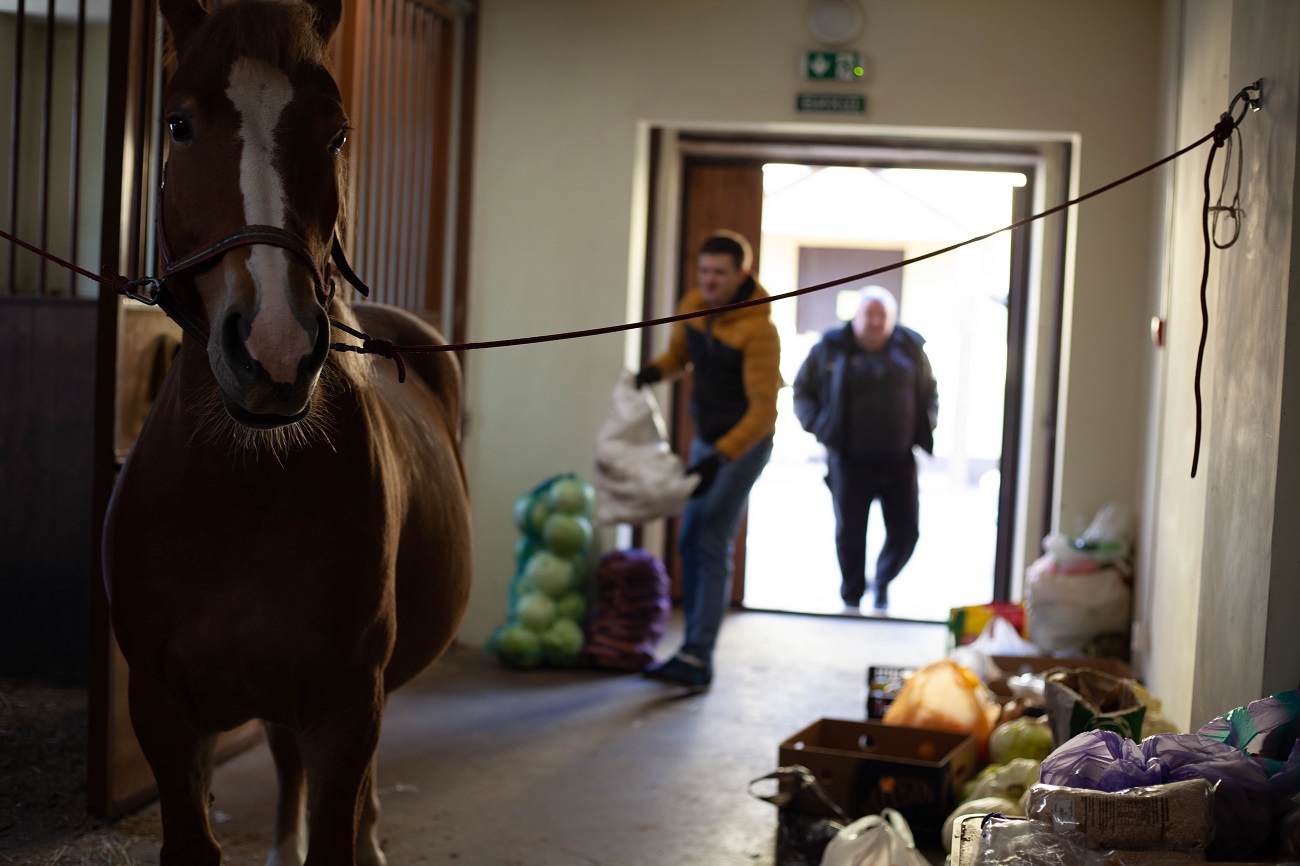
1065	611
638	478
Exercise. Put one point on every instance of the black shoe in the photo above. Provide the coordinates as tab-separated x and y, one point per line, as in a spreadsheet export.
675	671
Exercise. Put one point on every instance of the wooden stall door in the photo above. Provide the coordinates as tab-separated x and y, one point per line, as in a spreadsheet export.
715	196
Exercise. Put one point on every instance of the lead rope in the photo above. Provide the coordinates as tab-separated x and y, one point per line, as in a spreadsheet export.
152	291
387	349
1223	133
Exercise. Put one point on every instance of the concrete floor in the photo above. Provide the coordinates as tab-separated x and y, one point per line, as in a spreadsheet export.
492	767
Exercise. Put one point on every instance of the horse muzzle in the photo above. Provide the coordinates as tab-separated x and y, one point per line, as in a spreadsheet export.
251	394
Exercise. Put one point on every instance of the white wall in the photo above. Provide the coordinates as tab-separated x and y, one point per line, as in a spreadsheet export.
1216	616
1167	597
562	85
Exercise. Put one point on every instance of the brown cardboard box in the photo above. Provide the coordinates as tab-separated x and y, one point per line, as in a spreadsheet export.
867	766
1013	665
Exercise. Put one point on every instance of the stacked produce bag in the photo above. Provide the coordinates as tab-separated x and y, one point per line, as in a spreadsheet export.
548	601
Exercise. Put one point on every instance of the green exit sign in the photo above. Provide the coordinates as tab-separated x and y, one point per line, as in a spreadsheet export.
832	65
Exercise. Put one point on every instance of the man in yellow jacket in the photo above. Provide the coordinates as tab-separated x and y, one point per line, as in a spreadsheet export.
733	356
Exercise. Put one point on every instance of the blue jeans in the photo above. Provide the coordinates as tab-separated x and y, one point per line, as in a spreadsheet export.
708	526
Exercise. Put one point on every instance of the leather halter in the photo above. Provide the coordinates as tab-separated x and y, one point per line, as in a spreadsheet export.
245	237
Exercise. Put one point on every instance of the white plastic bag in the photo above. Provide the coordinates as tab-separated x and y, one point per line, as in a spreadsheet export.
876	840
999	638
638	477
1066	611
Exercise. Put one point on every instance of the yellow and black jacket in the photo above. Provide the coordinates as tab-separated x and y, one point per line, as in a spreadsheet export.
735	357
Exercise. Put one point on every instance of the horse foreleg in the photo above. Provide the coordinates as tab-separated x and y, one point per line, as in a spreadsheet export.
181	759
338	749
289	847
368	851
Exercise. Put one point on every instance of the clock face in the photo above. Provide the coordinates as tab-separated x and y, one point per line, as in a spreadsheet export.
834	22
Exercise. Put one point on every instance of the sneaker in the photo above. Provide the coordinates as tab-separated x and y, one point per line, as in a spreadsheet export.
679	672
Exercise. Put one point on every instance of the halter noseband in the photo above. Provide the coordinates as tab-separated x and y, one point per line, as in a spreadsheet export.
246	237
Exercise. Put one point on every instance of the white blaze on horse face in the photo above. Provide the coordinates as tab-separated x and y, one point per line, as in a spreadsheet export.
260	92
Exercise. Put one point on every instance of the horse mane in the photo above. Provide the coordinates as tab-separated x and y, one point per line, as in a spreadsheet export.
280	32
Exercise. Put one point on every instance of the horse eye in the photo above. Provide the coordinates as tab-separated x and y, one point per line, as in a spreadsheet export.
339	140
181	129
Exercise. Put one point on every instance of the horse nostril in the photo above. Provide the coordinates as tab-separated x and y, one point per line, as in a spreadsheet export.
232	344
322	344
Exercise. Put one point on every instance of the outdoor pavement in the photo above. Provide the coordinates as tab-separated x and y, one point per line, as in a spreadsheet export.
790	556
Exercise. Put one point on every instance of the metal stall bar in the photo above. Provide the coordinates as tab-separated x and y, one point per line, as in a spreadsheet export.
47	113
15	139
74	168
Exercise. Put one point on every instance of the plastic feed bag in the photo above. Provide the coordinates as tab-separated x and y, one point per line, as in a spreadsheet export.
638	477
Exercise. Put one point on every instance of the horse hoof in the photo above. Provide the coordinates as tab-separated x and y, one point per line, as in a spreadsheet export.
291	852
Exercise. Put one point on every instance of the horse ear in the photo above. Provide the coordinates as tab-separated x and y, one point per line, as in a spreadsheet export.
328	13
183	17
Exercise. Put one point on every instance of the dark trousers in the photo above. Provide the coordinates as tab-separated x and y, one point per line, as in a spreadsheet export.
854	486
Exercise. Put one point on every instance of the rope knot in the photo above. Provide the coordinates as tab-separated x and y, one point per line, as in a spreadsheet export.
386	349
118	283
1223	129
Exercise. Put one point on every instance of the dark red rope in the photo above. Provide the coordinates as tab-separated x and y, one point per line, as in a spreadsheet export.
119	283
679	317
1222	133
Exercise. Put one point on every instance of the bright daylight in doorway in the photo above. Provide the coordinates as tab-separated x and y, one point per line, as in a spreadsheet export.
821	222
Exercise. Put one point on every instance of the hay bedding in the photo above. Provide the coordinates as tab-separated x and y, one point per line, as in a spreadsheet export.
43	818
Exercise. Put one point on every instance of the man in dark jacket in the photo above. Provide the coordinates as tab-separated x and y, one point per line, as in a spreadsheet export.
868	394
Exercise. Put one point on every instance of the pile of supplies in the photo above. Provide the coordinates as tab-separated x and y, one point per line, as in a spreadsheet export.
1035	760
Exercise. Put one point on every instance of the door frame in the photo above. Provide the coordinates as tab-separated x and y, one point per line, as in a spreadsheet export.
1039	270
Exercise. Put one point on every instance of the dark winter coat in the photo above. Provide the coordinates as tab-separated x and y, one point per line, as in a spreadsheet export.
906	387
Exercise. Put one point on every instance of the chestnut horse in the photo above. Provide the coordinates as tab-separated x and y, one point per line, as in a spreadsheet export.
289	540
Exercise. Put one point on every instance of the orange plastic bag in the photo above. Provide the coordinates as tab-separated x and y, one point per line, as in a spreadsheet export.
946	696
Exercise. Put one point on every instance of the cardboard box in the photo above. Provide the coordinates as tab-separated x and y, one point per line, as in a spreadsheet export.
1013	665
866	766
1038	664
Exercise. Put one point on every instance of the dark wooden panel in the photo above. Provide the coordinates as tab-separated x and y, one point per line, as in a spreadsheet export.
47	349
817	312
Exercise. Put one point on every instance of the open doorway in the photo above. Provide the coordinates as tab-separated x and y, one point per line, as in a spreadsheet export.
820	222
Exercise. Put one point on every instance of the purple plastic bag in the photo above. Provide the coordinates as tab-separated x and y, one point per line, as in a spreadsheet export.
1267	730
1106	761
1243	800
1098	761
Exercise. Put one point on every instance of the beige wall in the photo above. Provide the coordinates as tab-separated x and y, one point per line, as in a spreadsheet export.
1167	597
1214	622
1248	644
562	86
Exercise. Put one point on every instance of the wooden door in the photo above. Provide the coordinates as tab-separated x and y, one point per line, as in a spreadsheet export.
715	196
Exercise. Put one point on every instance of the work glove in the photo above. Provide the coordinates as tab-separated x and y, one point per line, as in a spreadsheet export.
707	469
648	376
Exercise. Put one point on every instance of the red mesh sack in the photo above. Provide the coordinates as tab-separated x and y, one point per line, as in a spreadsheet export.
631	611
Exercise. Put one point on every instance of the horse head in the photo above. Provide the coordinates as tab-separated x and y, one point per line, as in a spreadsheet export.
251	194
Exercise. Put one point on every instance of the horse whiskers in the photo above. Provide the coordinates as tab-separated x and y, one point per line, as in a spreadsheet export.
212	424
